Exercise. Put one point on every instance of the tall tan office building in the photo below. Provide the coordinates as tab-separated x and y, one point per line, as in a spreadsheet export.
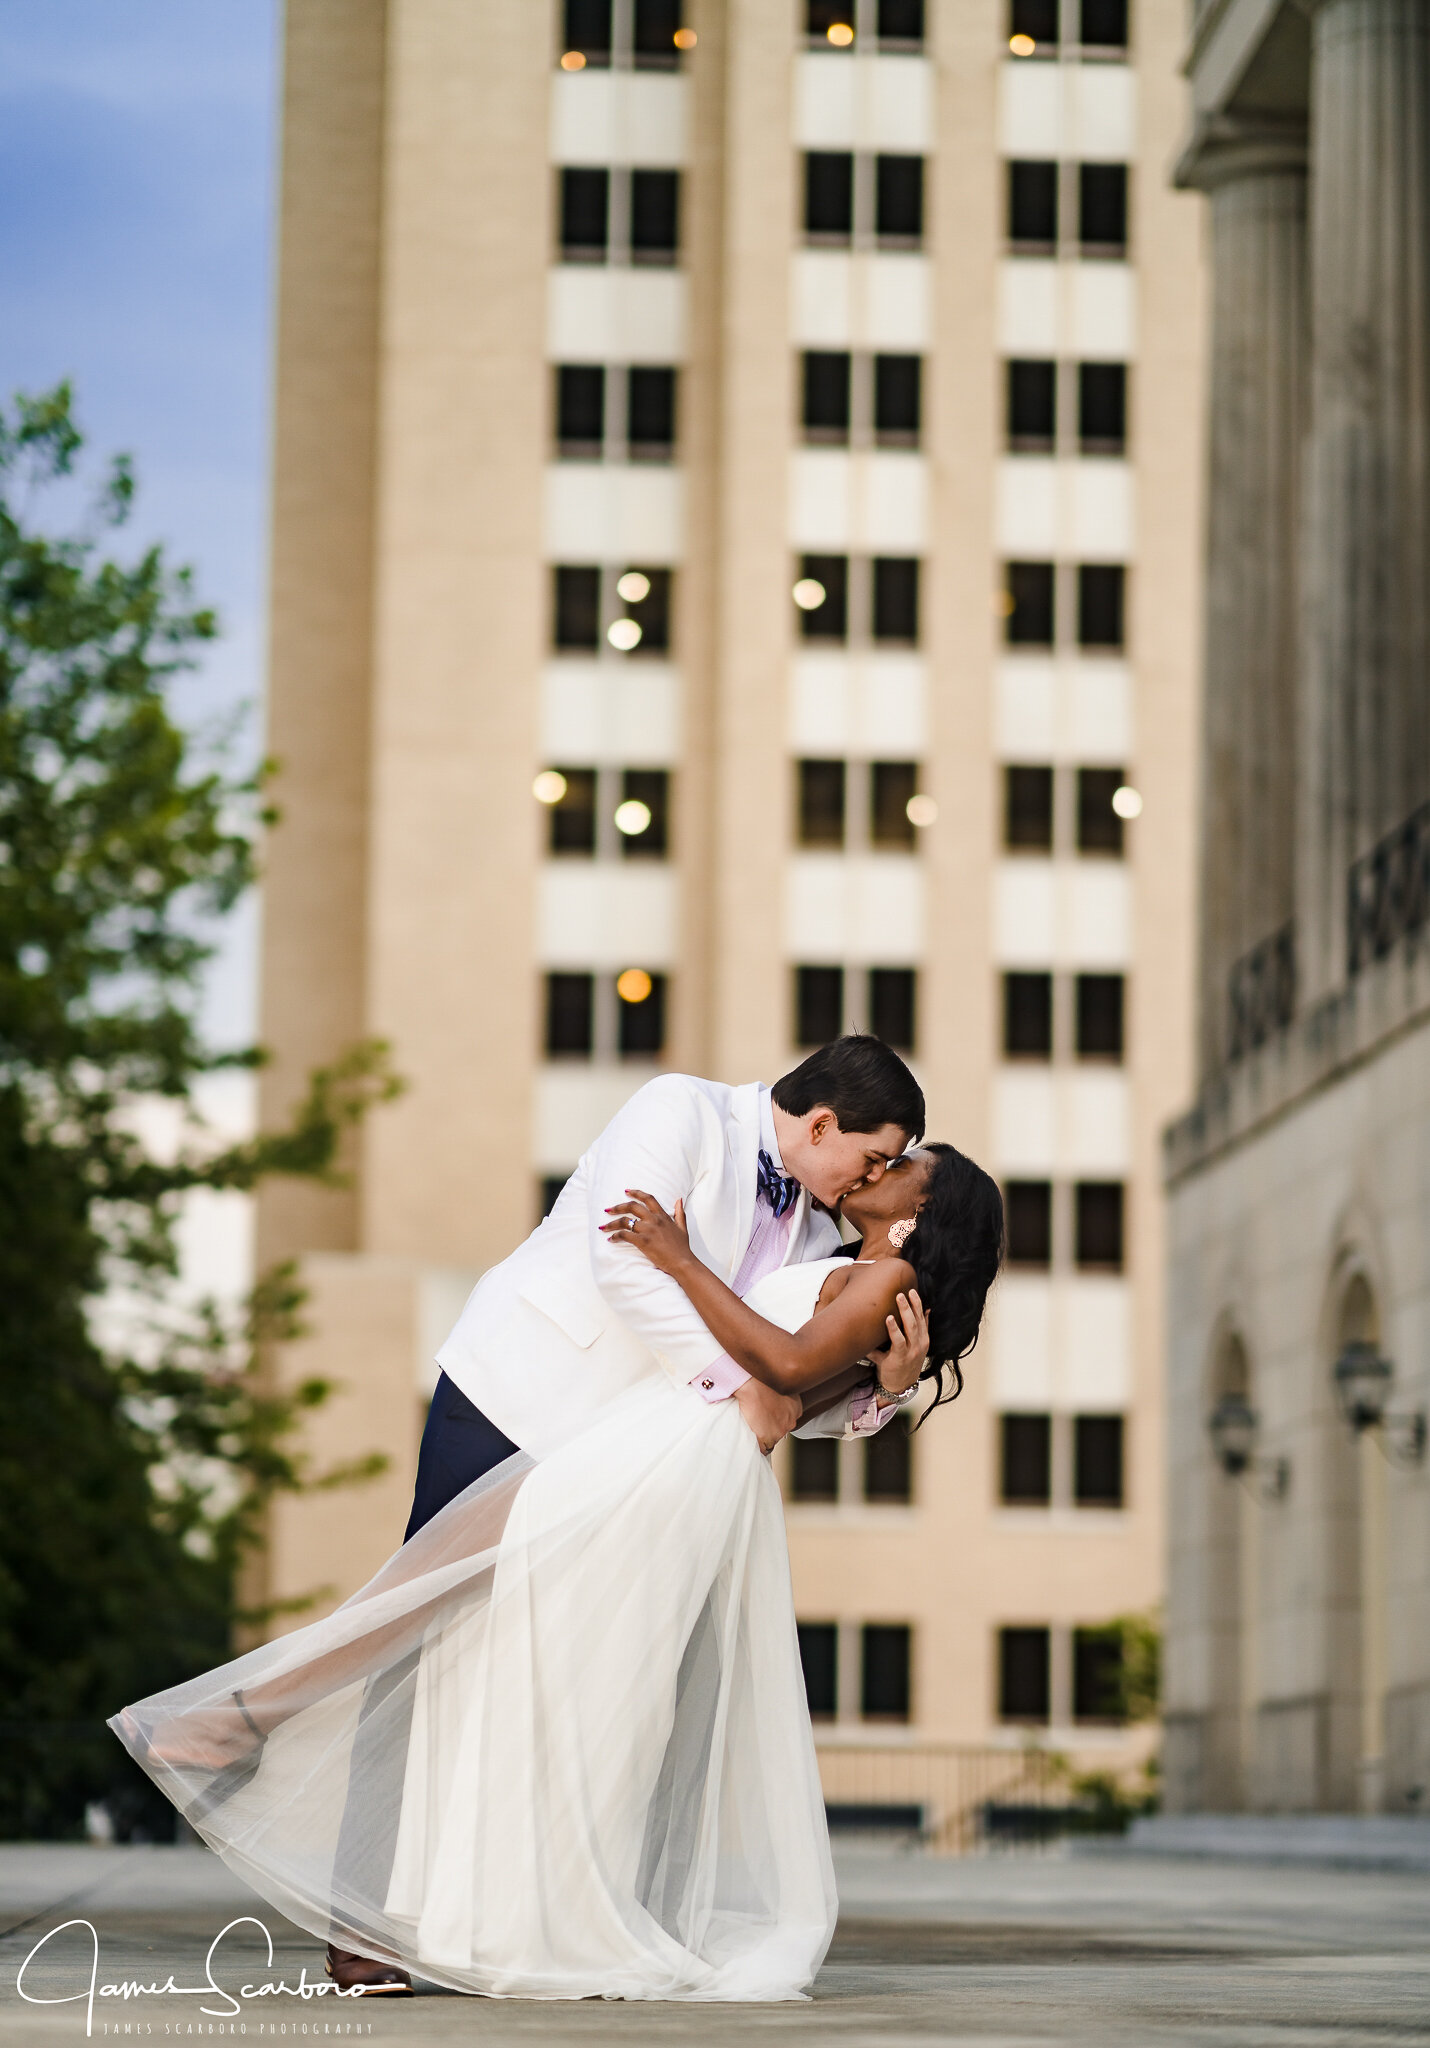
736	522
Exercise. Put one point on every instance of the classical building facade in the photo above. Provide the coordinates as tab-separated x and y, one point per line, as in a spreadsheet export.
735	579
1299	1601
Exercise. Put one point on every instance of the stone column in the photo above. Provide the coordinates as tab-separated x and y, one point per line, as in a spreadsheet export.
1255	175
1365	708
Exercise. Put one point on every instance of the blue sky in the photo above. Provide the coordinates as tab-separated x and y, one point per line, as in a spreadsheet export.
137	159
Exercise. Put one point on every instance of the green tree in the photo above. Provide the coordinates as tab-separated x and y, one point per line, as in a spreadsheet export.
129	1485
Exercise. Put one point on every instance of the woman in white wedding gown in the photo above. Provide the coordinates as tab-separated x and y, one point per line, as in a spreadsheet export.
587	1767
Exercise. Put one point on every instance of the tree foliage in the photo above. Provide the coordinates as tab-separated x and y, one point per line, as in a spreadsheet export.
129	1484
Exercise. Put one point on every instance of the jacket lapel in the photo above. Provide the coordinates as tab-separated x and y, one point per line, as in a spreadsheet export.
742	1144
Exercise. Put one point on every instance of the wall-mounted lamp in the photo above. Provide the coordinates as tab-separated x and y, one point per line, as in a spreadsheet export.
1233	1426
1362	1380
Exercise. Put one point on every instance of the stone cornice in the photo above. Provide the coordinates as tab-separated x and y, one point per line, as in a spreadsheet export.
1386	1003
1226	147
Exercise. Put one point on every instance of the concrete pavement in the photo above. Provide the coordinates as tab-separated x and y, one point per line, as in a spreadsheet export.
1106	1951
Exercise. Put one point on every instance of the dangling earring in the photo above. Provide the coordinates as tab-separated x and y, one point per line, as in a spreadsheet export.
901	1232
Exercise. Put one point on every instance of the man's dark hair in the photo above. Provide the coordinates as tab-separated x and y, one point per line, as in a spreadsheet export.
861	1080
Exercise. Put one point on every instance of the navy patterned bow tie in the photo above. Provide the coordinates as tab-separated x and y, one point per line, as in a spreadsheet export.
780	1190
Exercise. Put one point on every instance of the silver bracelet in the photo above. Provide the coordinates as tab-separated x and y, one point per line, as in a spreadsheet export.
896	1400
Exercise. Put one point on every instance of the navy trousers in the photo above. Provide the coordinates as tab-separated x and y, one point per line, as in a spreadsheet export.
459	1444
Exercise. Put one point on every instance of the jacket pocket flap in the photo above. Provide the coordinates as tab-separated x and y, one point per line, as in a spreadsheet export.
581	1317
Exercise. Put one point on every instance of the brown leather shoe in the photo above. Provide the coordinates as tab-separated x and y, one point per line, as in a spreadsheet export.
360	1973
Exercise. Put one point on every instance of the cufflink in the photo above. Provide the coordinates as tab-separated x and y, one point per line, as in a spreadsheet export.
709	1386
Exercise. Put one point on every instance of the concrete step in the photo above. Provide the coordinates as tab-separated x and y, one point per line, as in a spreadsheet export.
1338	1841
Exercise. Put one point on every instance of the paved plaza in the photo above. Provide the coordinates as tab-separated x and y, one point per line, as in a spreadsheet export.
984	1952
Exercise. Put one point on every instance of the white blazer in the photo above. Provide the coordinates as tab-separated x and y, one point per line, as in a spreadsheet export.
570	1319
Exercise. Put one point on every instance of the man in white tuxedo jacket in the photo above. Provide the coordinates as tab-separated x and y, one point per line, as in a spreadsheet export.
569	1319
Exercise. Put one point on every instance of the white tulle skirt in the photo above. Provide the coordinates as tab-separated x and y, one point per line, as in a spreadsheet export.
557	1748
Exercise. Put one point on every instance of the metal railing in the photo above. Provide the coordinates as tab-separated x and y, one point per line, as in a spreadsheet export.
954	1797
1388	892
1262	991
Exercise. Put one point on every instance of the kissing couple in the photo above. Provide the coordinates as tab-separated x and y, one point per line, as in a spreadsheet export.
559	1747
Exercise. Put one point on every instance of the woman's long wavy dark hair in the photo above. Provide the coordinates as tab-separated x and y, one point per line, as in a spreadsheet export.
955	1249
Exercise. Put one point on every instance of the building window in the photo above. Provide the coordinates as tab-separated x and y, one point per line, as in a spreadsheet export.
580	410
1025	1460
1028	809
818	1004
820	16
1032	407
644	790
892	785
1097	1675
1036	19
1028	1217
830	619
1097	1461
650	609
819	1655
1098	1232
1100	604
825	405
896	599
570	1010
898	385
587	28
571	824
576	622
899	201
884	1671
585	215
892	1002
1099	829
889	1462
650	413
901	24
1028	1016
1023	1689
1099	1008
551	1186
1102	209
1033	207
655	217
1103	25
1028	605
814	1468
641	1014
1102	408
828	195
821	803
653	33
